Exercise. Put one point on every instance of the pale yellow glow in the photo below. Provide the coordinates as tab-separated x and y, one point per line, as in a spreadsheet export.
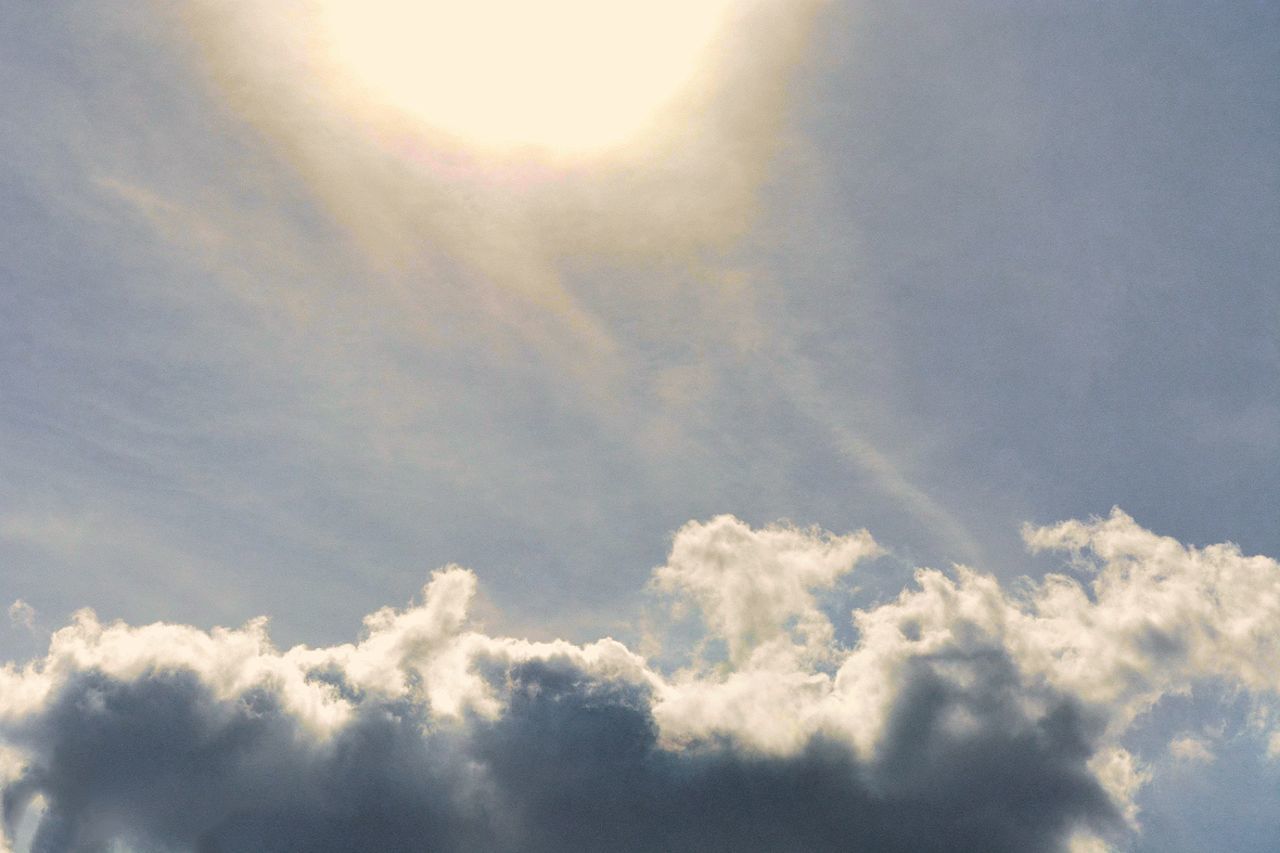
564	76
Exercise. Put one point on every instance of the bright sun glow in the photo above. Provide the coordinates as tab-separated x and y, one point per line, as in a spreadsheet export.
566	76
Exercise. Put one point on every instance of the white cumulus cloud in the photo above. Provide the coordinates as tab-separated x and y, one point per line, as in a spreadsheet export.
965	716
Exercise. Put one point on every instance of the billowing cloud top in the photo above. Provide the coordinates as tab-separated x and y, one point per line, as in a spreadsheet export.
965	716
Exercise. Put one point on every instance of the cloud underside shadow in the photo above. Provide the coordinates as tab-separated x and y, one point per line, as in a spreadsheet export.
964	718
572	764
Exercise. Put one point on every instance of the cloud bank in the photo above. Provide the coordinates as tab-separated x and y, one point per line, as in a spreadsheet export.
965	716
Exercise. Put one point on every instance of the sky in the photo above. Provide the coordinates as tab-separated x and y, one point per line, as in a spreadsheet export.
731	424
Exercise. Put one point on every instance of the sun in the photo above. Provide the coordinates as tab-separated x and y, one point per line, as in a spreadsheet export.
567	77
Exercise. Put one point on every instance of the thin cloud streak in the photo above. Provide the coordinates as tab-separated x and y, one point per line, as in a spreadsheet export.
799	381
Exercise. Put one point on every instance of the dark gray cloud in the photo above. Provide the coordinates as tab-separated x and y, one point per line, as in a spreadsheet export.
964	717
581	766
573	763
161	762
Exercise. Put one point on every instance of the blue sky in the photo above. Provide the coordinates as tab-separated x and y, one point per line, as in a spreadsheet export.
934	270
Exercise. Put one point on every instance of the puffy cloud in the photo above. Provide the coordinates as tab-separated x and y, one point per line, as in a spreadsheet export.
754	587
963	718
22	614
1191	749
1156	616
